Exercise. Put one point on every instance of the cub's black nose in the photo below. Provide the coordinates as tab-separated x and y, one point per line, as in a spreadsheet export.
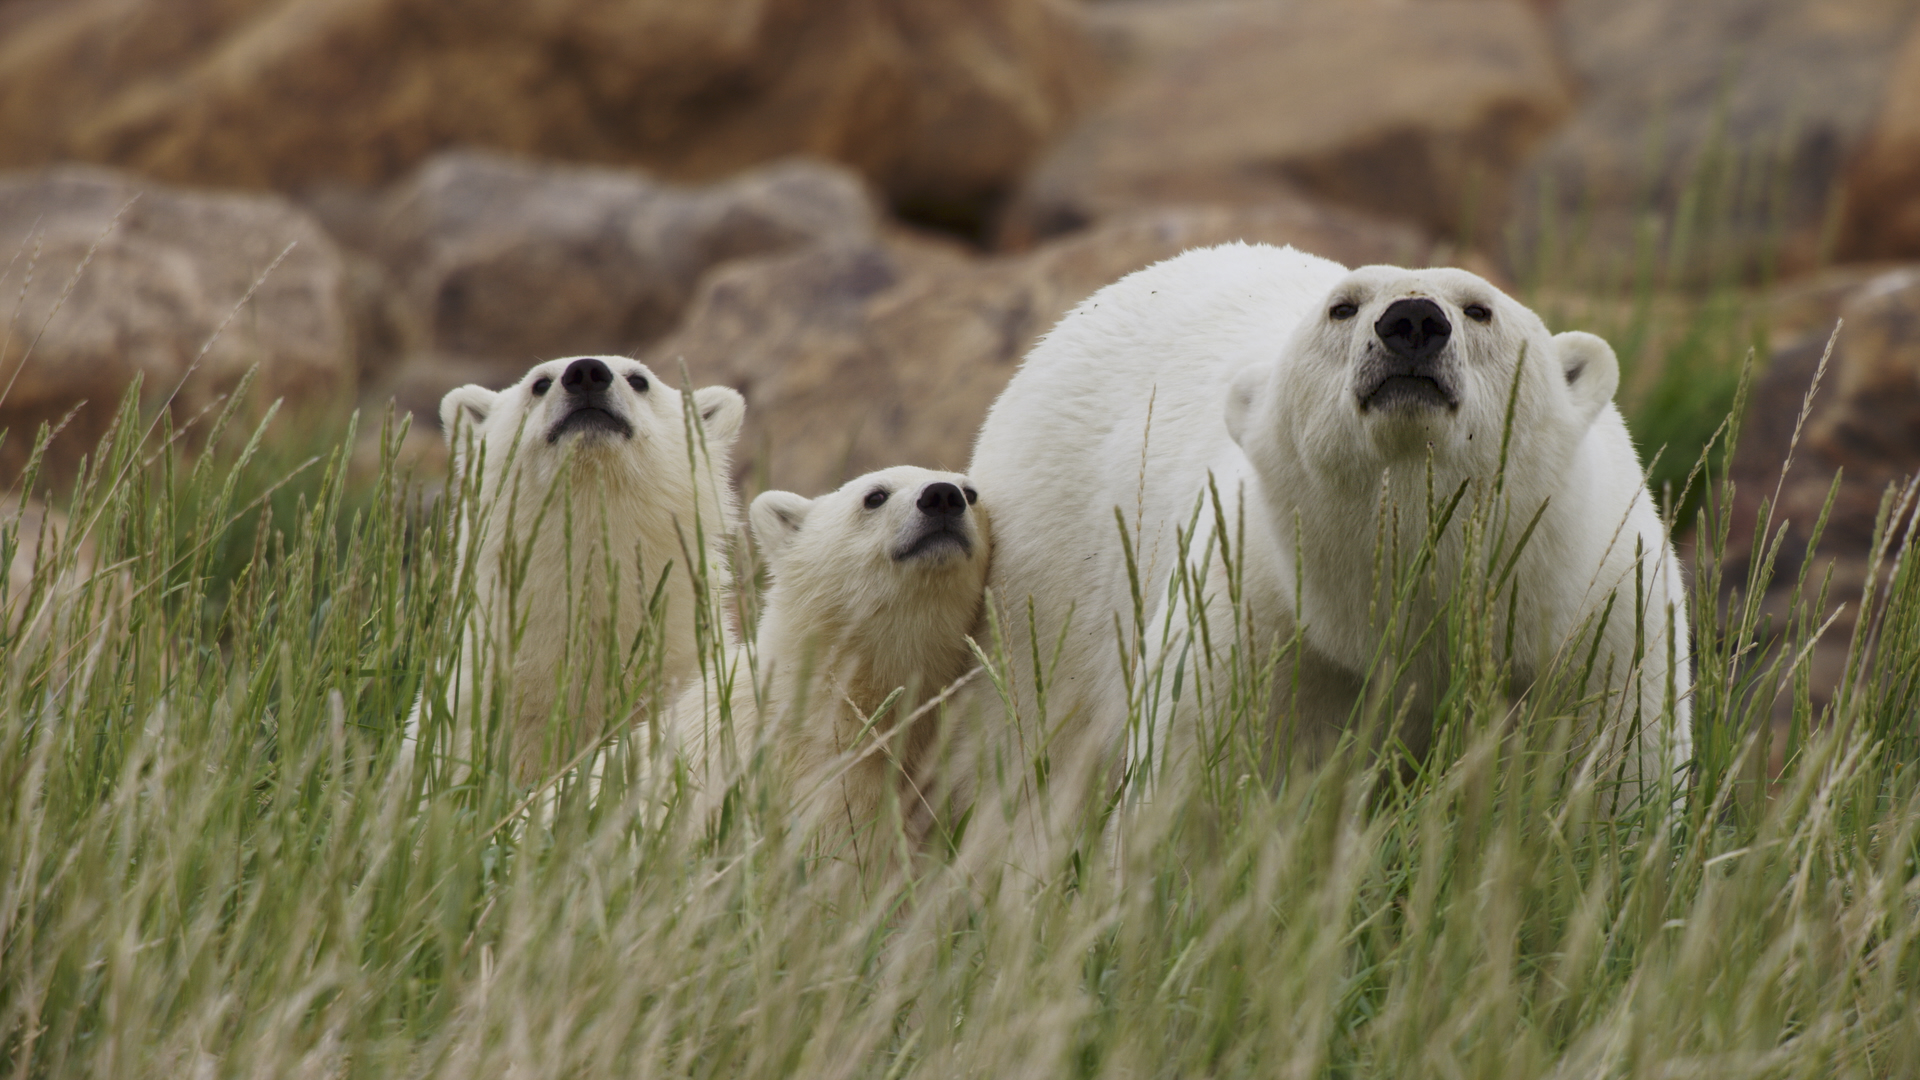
942	500
586	376
1414	329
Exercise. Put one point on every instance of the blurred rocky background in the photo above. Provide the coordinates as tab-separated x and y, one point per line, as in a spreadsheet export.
862	212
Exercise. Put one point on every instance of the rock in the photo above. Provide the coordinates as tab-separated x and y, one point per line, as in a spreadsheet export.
511	260
48	569
38	532
1863	423
156	292
856	356
1238	102
1882	187
940	103
1865	420
62	63
1732	115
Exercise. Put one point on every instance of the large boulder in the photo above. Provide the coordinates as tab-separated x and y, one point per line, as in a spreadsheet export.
1882	192
1415	111
1730	118
497	258
1864	422
1862	425
940	103
856	356
62	63
122	277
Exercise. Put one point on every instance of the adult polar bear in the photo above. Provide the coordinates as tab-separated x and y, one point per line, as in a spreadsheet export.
596	485
1313	398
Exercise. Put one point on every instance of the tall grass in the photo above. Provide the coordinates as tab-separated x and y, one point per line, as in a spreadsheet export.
213	864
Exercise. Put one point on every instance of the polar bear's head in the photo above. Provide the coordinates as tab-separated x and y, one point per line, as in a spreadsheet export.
1394	362
903	546
609	412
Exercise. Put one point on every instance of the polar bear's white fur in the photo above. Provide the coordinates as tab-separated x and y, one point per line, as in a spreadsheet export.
873	588
1272	372
588	466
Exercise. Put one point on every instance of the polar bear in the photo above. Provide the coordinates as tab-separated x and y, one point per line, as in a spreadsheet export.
873	588
1315	401
590	466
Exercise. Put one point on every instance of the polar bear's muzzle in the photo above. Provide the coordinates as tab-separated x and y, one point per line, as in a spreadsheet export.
588	400
939	526
1405	365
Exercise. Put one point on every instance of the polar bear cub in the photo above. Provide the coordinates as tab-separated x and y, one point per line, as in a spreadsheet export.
873	588
1315	400
589	466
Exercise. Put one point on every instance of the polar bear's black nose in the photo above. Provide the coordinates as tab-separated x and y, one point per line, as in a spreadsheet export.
942	500
586	376
1413	329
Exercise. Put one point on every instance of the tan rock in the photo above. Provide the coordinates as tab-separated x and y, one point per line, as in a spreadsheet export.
938	102
61	63
498	257
858	356
126	278
39	535
46	597
1416	111
1729	119
1882	187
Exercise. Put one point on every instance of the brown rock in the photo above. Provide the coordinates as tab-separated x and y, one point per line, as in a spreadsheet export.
63	62
1864	422
1882	187
1863	425
938	102
858	356
520	261
126	278
1418	112
1733	117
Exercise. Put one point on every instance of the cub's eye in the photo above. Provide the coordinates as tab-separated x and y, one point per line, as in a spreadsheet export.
638	382
541	385
972	496
1343	311
1479	312
875	498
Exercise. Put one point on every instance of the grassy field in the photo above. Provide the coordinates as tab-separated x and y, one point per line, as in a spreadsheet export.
213	864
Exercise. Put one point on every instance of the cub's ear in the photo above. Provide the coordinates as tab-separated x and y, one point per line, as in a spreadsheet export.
721	411
465	405
1592	373
1240	394
776	516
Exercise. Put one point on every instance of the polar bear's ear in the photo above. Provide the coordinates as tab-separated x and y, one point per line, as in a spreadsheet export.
1240	394
721	410
469	405
1591	371
776	516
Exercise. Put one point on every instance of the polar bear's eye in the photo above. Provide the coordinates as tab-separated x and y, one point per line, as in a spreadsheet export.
1344	310
1478	312
541	385
876	497
638	382
972	496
